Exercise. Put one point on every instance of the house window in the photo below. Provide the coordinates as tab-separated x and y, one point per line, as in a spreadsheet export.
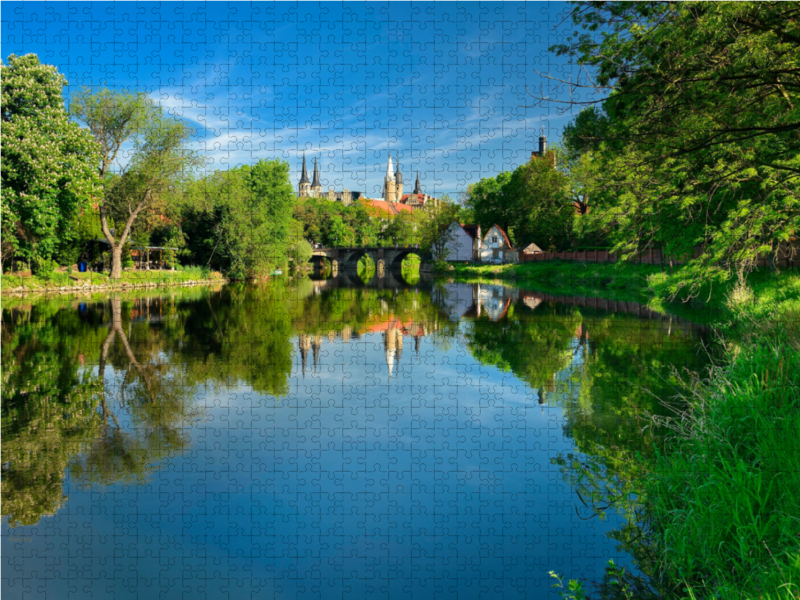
494	239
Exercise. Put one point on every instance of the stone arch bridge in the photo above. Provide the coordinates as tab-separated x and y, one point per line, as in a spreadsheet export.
386	259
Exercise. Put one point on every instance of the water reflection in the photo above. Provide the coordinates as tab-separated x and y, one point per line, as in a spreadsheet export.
402	435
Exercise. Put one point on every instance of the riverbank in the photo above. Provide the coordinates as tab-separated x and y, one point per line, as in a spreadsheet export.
719	506
88	283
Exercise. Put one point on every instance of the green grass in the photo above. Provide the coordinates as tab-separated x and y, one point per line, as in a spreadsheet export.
723	498
58	279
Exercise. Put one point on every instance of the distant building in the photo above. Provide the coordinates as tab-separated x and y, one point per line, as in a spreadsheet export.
306	188
392	182
495	247
417	198
532	249
384	209
543	152
346	197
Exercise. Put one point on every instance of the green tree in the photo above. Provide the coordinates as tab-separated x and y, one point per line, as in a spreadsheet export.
697	140
489	203
49	163
159	158
539	205
240	220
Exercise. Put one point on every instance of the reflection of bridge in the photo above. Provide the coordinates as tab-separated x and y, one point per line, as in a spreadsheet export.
351	279
385	259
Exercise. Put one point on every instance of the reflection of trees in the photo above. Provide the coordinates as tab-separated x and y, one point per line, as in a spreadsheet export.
57	414
533	347
154	398
48	409
607	372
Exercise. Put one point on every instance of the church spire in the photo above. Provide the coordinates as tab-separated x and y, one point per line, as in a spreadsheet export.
398	176
316	183
389	174
417	189
304	175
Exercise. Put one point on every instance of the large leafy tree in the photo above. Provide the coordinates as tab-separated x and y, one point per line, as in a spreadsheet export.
240	220
699	131
49	163
538	200
488	202
131	127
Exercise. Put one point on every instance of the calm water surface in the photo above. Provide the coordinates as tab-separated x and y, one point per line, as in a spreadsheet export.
319	440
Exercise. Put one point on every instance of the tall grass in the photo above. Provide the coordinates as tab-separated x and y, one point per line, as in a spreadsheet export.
723	498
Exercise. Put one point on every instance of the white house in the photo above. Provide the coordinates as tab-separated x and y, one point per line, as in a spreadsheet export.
459	242
495	247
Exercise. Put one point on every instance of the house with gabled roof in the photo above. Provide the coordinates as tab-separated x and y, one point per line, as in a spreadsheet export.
459	242
495	247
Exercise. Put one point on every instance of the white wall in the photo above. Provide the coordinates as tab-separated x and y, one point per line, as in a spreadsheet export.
459	245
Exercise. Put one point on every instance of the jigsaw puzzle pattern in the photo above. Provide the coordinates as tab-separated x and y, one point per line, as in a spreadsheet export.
393	459
449	87
383	471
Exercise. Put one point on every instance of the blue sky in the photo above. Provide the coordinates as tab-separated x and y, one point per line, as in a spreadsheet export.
444	85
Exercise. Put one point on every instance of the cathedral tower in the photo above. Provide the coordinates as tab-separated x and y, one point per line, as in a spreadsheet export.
304	187
417	188
398	182
316	186
389	183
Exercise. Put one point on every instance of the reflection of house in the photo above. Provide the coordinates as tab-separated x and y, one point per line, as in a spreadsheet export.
495	247
493	301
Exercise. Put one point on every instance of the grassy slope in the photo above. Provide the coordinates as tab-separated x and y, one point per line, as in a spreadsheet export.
723	500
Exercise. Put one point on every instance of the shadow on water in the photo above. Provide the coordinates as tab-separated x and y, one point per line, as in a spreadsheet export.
106	392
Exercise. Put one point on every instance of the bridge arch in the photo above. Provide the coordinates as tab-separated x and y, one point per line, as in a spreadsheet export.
401	254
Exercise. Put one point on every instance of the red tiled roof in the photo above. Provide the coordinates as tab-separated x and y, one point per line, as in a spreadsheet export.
390	208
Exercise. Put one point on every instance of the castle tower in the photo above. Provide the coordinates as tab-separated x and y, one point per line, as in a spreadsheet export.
304	187
389	182
417	188
398	181
316	186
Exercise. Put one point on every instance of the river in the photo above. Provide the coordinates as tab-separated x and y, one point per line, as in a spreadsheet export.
323	439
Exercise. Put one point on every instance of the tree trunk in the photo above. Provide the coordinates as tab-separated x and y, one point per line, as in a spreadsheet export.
116	262
773	256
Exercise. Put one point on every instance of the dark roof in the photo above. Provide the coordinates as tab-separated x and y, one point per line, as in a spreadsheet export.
472	230
304	175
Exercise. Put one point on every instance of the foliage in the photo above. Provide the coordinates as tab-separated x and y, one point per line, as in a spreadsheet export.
49	172
239	221
335	225
539	206
301	252
724	497
489	203
696	142
140	194
532	204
